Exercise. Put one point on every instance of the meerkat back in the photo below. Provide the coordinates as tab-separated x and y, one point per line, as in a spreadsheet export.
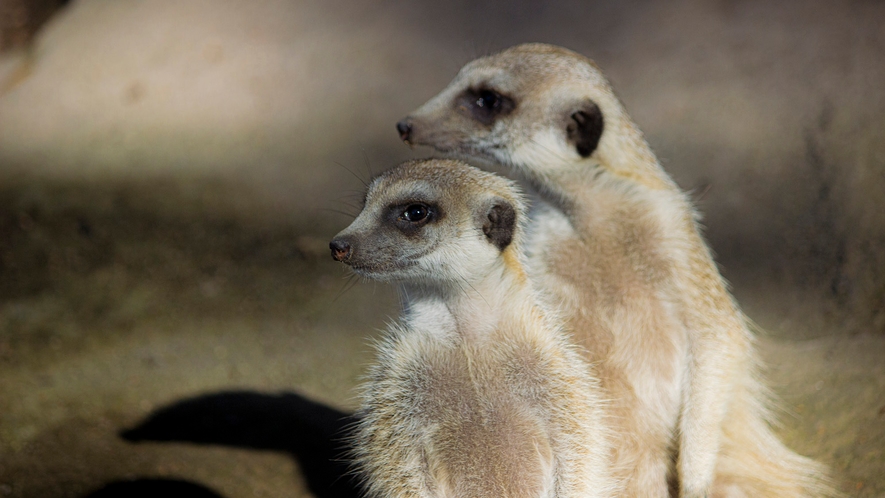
476	391
618	245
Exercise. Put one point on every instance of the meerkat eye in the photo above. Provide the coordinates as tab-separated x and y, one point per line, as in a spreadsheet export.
415	213
485	105
488	99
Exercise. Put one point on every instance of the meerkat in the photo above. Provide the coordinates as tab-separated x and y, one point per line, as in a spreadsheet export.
618	245
476	392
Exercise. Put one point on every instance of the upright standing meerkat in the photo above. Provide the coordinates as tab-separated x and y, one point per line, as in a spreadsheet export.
476	392
619	245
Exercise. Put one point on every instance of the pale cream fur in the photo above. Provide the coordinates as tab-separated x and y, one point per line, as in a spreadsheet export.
618	246
476	391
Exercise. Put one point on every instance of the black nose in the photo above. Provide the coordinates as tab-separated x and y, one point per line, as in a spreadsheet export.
340	249
404	128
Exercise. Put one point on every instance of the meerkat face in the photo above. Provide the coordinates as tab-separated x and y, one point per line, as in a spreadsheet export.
430	221
533	104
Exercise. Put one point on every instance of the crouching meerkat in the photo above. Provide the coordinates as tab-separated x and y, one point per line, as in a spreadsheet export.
618	244
475	392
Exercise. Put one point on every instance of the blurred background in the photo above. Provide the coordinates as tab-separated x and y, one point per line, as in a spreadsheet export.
171	172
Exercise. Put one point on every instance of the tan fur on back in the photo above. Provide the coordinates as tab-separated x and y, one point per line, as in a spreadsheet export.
617	246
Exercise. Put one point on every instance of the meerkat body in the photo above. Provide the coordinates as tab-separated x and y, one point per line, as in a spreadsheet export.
618	245
476	391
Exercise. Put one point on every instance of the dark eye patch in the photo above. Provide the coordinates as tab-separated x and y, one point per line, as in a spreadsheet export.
410	217
485	104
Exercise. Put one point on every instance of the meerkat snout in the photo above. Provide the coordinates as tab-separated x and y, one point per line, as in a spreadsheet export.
341	249
404	127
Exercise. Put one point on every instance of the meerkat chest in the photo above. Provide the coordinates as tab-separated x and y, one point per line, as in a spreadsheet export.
480	386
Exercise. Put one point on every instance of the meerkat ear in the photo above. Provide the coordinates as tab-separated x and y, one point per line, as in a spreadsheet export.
584	127
498	223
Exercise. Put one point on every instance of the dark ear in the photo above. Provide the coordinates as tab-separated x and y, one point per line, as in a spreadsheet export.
584	128
499	223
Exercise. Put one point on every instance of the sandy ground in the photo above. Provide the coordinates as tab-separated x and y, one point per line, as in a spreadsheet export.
139	310
171	172
127	312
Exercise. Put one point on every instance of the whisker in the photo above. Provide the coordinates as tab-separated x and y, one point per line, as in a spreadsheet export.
338	211
352	205
699	196
554	153
368	164
351	282
472	287
351	193
365	184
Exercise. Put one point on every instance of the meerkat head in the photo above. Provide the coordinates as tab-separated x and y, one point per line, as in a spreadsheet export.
432	221
533	107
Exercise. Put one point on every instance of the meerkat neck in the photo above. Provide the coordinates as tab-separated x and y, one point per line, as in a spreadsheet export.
623	165
475	306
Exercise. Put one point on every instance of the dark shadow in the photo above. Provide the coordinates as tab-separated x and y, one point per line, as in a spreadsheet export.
314	434
152	488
